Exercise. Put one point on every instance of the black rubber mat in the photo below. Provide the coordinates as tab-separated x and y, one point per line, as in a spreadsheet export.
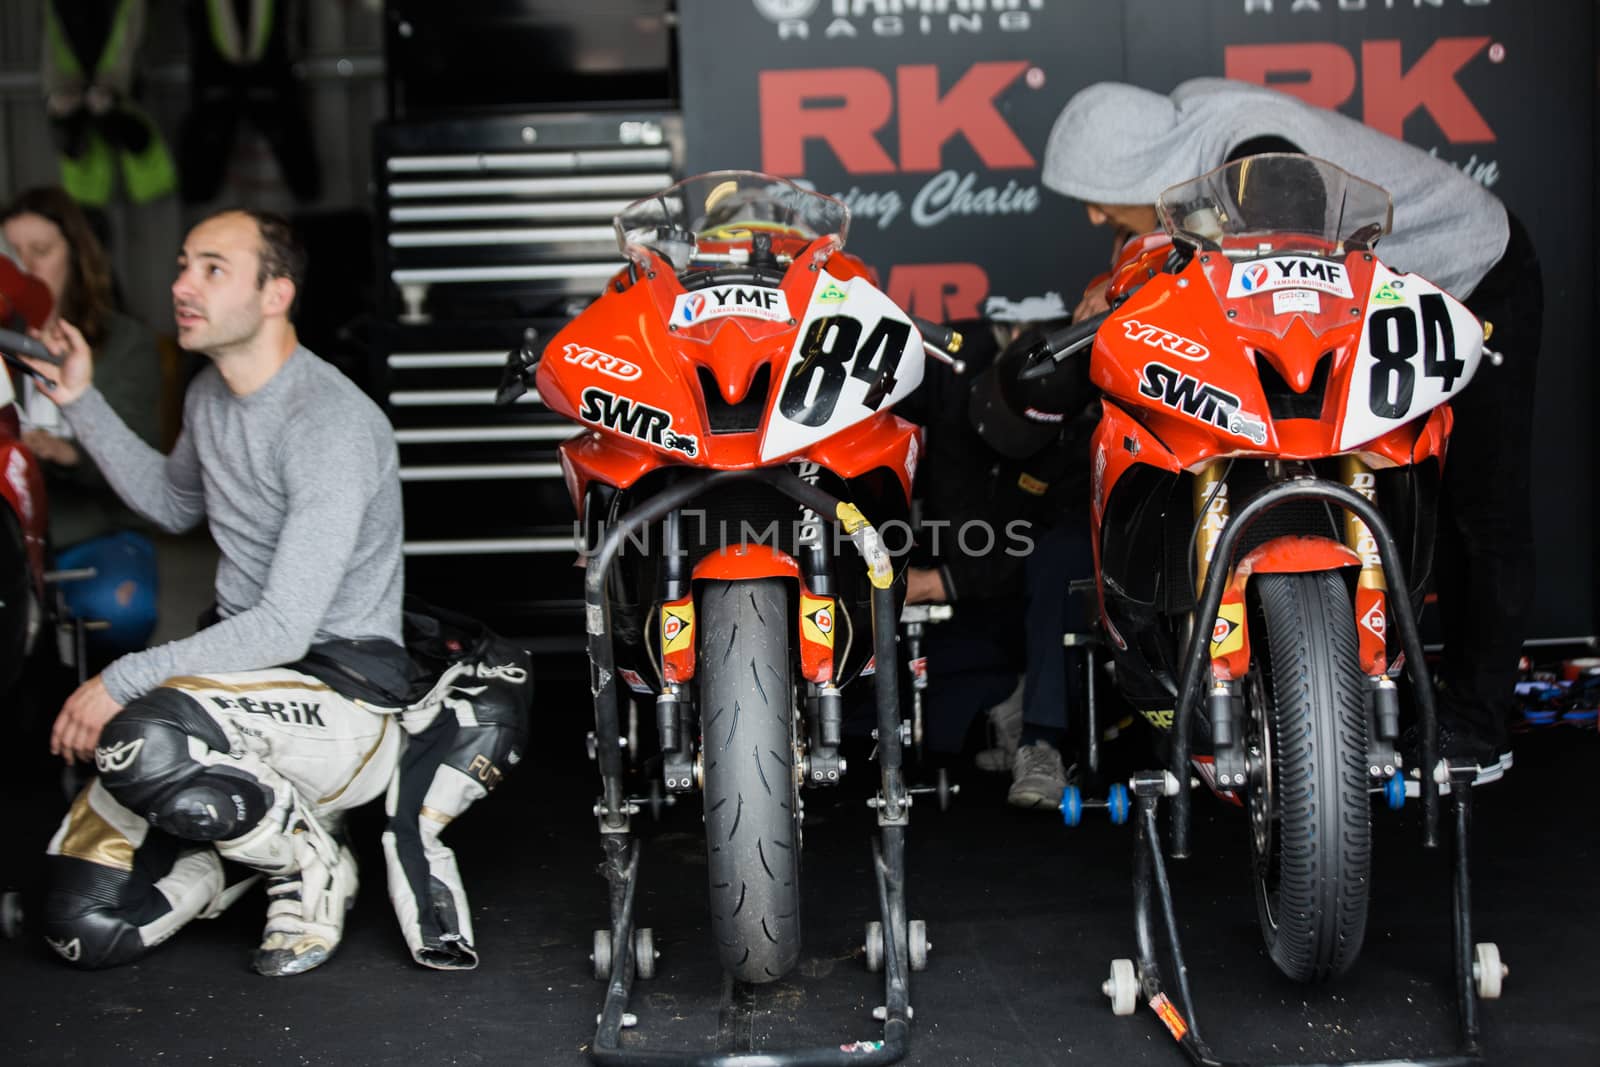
1024	917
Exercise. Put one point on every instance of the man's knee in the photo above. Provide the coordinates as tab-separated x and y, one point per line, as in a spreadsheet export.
147	763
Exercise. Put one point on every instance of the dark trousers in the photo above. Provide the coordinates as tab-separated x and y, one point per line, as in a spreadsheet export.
1485	537
1053	683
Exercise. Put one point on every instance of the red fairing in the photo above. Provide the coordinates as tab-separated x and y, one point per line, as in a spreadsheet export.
639	365
23	296
1172	346
22	488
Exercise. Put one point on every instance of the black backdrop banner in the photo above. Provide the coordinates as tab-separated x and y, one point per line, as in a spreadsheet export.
929	118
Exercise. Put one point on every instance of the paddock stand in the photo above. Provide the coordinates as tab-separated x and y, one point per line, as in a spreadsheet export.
630	949
1479	971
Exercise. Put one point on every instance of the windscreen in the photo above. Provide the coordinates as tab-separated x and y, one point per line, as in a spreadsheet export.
1276	193
714	213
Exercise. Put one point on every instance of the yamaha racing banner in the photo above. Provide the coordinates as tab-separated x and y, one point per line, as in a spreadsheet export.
929	119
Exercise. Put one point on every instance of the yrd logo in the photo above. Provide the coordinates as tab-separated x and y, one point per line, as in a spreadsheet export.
846	107
1325	74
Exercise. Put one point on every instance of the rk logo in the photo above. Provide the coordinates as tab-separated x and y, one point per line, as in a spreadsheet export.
1325	74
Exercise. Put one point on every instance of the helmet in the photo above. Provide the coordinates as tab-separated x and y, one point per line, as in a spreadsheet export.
122	594
1021	404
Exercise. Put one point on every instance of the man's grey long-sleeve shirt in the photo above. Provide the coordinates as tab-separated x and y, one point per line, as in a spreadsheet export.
300	484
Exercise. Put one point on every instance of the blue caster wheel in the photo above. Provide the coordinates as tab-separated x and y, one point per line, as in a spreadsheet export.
1394	791
1071	806
1117	803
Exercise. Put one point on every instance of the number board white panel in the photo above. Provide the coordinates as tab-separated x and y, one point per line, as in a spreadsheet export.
855	354
1419	347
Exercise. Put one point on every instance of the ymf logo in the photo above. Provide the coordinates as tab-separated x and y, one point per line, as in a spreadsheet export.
846	108
1252	278
692	307
1325	74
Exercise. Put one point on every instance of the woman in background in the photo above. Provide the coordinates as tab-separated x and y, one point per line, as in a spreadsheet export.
89	527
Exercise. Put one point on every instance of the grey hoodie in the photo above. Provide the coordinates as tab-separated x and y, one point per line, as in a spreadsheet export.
1120	144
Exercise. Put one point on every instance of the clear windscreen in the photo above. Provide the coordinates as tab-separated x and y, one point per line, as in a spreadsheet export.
714	218
1276	194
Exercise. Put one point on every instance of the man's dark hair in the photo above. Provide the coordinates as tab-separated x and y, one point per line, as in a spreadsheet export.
282	254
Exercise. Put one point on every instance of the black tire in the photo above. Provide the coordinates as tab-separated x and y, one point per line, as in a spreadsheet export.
747	737
1313	871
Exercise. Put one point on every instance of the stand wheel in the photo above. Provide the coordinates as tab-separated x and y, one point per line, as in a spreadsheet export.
644	952
602	954
917	944
1122	987
11	914
1394	791
1487	969
1071	805
1117	804
874	947
944	790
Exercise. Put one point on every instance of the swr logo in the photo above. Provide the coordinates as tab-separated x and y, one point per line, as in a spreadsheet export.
1325	75
845	107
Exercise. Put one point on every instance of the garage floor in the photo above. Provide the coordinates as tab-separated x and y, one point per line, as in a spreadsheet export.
1024	916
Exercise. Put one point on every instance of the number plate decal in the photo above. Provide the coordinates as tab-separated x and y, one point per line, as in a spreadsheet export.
854	354
1419	347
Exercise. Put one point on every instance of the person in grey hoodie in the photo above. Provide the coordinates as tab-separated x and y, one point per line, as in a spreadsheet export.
1116	147
244	740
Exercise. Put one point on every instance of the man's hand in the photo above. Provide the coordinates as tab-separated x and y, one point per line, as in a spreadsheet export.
50	448
82	717
76	372
1093	302
925	585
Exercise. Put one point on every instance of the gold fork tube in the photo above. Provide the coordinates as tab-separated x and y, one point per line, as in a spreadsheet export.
1358	476
1213	515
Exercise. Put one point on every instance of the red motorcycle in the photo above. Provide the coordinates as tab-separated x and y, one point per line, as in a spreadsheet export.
737	380
1264	474
24	303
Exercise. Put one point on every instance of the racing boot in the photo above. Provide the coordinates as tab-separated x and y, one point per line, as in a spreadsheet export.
311	883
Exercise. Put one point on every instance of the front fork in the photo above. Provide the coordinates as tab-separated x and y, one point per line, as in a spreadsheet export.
1229	638
1372	625
819	760
1224	697
680	765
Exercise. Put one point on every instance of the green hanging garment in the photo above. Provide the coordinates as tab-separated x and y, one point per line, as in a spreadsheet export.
89	49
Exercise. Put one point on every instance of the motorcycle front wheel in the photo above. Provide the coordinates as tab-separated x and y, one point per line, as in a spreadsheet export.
1310	810
751	798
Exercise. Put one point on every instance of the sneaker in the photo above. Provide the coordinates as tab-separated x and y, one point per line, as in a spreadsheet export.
1460	745
1005	730
305	915
1037	777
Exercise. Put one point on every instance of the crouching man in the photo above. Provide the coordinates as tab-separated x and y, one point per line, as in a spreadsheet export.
245	741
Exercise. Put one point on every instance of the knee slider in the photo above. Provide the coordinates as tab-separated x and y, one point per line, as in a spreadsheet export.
144	762
213	805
